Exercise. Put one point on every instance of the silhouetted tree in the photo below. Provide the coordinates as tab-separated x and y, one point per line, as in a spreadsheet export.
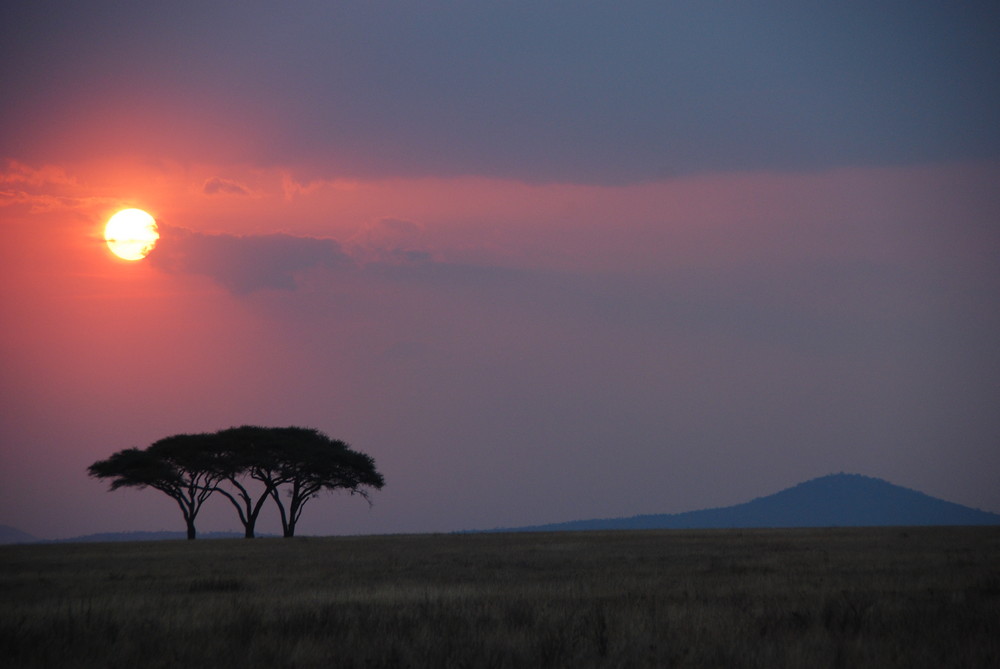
180	466
311	462
250	453
190	467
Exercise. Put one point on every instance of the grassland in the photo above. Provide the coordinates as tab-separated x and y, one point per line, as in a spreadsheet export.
904	597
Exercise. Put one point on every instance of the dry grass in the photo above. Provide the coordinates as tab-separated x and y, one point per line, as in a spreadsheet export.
927	597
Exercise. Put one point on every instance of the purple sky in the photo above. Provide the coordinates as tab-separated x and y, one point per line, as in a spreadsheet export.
542	262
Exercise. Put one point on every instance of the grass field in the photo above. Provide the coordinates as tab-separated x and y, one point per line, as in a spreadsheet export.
886	597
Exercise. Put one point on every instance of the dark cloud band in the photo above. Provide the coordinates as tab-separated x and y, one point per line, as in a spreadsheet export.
247	263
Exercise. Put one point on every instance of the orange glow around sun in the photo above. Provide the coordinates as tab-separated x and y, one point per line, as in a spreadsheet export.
131	234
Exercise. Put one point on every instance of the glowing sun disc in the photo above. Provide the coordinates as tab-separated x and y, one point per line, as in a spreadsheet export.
131	234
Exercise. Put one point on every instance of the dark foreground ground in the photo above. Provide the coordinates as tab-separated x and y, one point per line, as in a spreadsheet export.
903	597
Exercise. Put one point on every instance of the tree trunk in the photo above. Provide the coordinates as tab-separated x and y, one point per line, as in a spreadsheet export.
281	513
248	526
190	529
253	513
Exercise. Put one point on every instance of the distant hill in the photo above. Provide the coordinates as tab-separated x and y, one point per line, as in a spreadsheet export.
837	500
12	535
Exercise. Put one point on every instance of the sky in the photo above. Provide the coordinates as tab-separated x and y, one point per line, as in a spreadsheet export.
542	261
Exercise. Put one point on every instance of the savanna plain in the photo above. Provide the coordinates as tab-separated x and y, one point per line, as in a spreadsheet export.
871	597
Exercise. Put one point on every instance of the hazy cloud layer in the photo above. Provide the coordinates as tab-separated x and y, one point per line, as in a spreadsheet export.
562	91
244	264
390	240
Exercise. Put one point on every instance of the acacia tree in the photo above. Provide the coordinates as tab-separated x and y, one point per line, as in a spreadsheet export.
190	467
311	462
244	454
179	466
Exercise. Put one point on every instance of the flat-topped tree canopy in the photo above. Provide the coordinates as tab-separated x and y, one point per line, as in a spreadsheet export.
305	461
179	466
299	461
134	468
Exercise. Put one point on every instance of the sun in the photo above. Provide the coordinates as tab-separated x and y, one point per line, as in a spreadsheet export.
131	234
